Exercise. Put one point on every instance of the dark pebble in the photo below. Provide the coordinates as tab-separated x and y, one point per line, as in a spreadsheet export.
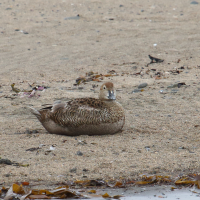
85	170
8	8
75	17
33	149
25	32
5	161
7	175
34	131
142	85
194	2
17	29
121	6
79	153
73	170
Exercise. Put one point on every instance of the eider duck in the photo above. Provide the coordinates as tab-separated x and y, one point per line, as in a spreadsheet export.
84	116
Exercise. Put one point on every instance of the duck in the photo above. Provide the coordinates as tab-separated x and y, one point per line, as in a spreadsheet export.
84	116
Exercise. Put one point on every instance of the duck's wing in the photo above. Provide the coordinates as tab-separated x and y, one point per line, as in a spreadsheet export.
78	112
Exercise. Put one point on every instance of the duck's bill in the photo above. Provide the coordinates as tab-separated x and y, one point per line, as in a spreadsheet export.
111	95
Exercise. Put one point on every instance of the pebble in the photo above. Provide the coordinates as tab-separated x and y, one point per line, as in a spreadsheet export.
34	131
136	91
174	91
182	148
194	2
73	170
176	85
27	131
5	161
173	86
162	92
147	148
75	17
79	153
142	85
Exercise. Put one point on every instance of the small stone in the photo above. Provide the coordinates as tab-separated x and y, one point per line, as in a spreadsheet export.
174	91
7	175
79	153
139	151
80	88
142	10
5	161
162	92
17	29
85	170
173	86
134	67
73	170
194	2
136	91
82	142
121	6
8	8
142	85
27	131
34	131
74	17
25	32
147	148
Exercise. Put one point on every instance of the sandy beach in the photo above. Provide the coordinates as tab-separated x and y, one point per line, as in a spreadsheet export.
53	43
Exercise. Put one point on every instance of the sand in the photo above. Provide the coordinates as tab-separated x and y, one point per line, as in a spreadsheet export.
46	43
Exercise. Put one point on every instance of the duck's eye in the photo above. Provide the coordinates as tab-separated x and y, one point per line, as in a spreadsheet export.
104	87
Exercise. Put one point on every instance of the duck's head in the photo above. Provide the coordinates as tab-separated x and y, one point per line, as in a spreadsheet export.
107	92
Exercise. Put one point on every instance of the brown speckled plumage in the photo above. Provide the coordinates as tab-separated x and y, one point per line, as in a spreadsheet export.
84	116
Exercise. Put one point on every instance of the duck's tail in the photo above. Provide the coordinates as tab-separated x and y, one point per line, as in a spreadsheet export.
35	112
